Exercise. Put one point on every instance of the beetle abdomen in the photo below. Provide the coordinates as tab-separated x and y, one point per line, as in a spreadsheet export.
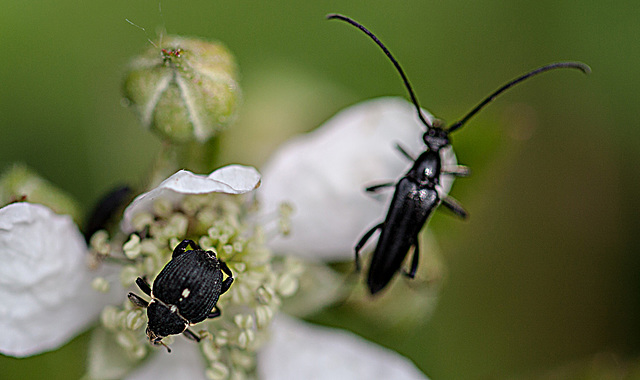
410	208
192	282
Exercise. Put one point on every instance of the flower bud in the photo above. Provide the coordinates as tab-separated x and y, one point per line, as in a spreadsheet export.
19	183
185	91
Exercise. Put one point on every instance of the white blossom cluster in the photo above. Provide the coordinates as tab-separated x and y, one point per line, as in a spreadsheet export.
49	292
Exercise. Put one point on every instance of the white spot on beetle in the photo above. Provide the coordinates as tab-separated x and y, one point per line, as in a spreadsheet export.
186	292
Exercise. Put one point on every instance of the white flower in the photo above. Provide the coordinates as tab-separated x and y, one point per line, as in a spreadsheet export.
296	350
46	297
45	285
322	175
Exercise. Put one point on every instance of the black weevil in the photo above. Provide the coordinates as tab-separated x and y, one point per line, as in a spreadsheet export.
419	192
184	293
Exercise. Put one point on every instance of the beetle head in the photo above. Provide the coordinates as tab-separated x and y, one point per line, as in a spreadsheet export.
163	321
436	137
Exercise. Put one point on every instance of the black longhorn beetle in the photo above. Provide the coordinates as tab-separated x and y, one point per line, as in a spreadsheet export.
418	193
184	293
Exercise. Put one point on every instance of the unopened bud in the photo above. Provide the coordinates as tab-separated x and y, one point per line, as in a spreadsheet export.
20	184
186	90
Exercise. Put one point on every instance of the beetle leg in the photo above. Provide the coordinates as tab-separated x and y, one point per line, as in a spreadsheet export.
414	261
182	247
137	300
375	188
226	284
215	313
457	170
165	346
404	152
454	206
225	268
143	285
363	241
191	335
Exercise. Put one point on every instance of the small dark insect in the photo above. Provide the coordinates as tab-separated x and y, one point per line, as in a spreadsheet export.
419	192
106	208
184	293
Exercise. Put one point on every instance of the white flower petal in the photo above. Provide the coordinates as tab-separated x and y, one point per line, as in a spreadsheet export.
298	350
324	173
45	286
240	178
185	362
232	179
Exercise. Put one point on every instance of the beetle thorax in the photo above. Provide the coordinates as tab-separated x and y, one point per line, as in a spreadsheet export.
426	169
164	320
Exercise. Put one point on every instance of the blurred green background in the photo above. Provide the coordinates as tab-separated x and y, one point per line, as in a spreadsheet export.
544	275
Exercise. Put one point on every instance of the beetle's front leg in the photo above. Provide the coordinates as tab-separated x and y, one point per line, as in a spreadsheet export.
143	285
226	284
182	247
137	300
378	187
404	152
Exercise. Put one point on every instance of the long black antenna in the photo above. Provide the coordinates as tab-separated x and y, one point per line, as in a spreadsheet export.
393	60
558	65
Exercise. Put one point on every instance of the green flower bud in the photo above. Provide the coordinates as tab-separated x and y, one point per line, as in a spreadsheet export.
185	91
19	183
109	317
217	371
100	284
132	247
